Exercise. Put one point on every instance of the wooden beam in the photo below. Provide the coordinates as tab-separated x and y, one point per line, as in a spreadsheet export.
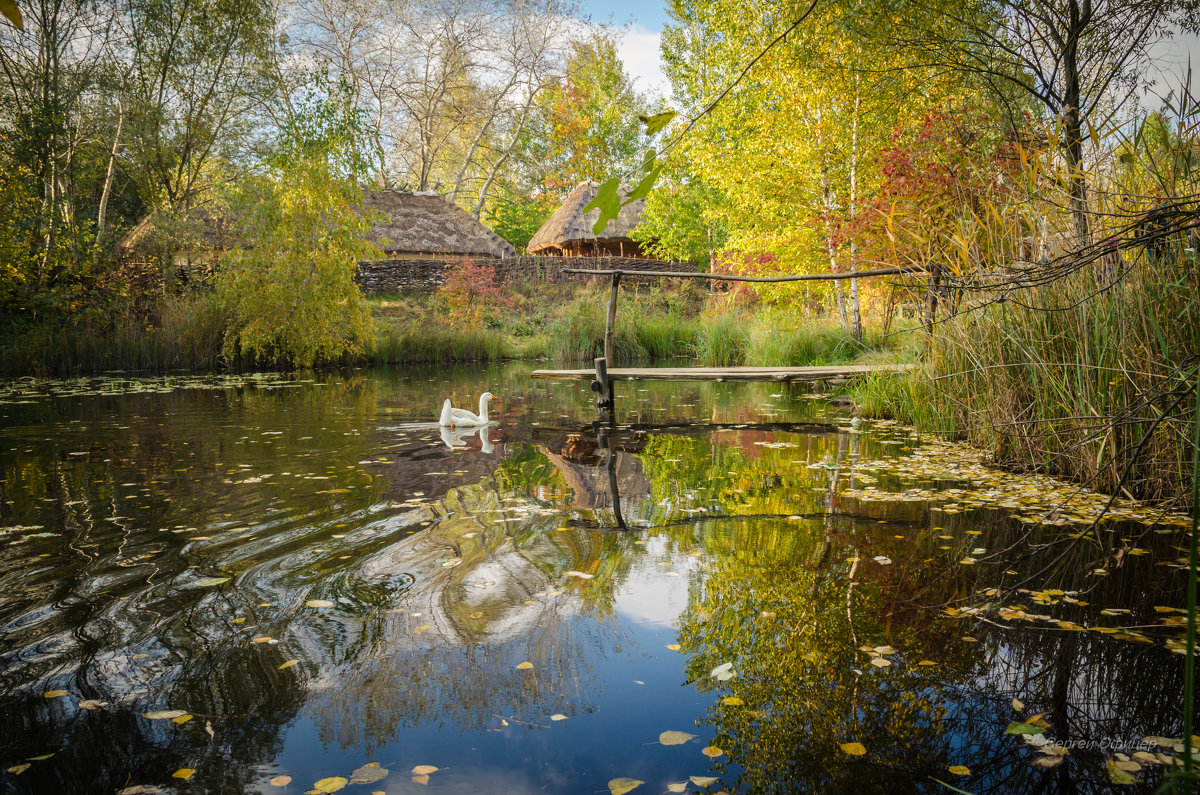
801	277
777	374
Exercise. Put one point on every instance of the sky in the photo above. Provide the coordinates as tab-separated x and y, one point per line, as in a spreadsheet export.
640	25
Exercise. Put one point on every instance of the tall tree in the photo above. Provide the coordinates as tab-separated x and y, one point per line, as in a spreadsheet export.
198	71
1079	59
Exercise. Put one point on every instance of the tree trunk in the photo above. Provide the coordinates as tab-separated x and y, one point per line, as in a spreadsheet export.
855	307
108	174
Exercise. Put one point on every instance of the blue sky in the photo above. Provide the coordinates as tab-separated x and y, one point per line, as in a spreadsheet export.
649	14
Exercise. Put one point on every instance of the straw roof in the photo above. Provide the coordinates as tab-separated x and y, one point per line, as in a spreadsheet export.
414	223
570	224
195	228
426	223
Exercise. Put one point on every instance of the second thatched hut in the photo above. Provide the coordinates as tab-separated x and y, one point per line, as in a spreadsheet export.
569	231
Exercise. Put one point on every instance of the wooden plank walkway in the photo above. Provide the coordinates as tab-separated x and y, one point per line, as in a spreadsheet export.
727	373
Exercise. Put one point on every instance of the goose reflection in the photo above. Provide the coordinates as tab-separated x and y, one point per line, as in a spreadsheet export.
457	437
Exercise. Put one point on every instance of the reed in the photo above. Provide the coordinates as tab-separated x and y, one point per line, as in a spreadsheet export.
723	340
1077	379
431	342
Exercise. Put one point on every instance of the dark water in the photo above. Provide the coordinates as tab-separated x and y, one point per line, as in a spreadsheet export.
314	580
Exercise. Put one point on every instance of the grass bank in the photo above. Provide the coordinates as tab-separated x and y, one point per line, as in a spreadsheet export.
562	325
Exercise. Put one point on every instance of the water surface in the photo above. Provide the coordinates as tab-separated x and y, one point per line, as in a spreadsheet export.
298	577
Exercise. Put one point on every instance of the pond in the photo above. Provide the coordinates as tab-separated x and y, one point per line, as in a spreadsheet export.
274	584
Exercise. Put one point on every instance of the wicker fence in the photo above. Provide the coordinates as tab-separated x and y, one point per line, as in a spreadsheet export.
423	276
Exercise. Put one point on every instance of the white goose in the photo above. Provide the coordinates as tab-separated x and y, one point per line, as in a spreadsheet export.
461	418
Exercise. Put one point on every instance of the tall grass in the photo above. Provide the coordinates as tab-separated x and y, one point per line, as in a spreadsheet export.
723	340
183	334
1073	379
431	342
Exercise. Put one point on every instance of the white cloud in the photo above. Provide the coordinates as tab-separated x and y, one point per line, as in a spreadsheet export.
639	49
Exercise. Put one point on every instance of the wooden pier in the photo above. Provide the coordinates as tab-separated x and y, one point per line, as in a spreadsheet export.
777	374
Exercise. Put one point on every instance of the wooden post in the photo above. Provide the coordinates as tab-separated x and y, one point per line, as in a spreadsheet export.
601	385
612	319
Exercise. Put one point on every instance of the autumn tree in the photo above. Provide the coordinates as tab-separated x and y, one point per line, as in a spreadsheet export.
1080	60
290	288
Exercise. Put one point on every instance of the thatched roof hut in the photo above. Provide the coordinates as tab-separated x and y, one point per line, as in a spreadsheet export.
569	230
426	225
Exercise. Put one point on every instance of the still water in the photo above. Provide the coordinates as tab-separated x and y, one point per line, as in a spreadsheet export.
217	584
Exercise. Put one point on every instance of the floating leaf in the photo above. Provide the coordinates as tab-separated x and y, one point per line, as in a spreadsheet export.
619	786
421	779
1047	762
1017	705
41	758
959	770
318	603
711	751
55	693
262	639
883	650
732	701
208	582
880	662
369	773
1118	776
882	561
674	737
702	781
580	574
1023	728
181	719
926	662
424	770
287	664
673	646
184	773
331	784
677	786
558	716
524	666
723	672
165	714
854	749
93	703
17	770
280	781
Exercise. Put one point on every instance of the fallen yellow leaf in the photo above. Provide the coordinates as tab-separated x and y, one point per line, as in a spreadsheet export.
525	666
711	751
55	693
184	773
619	786
854	749
331	784
959	770
674	737
288	664
424	770
280	781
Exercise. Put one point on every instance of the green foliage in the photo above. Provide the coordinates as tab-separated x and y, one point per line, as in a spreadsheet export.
290	290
